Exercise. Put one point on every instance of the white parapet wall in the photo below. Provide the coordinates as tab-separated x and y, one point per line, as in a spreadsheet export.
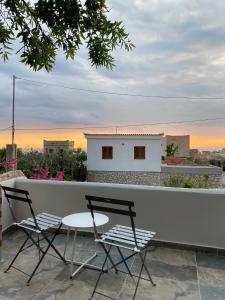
8	179
6	219
187	216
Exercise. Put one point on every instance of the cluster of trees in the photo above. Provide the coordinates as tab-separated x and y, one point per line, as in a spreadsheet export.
72	163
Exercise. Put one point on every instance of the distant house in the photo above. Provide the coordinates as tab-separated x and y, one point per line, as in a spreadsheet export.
182	142
194	152
58	146
123	158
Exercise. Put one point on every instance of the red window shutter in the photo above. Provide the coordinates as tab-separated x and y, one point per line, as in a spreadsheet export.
107	152
139	152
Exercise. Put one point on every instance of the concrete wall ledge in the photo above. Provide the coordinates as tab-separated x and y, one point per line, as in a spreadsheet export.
210	170
178	215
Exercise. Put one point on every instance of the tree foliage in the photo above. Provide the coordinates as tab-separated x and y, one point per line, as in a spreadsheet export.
45	27
71	162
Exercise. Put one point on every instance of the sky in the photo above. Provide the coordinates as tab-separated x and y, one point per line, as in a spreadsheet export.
180	51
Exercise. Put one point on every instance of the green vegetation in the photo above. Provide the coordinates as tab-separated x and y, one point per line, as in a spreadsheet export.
171	149
2	159
71	162
201	162
178	180
45	28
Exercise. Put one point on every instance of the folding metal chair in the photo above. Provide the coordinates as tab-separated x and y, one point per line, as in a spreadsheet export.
39	224
121	237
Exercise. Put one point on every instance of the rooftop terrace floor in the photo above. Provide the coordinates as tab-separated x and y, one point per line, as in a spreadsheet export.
179	274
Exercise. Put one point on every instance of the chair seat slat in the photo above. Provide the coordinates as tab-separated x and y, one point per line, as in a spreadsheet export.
27	227
117	245
136	229
122	241
125	237
140	245
30	222
130	230
44	222
39	222
130	233
47	221
52	216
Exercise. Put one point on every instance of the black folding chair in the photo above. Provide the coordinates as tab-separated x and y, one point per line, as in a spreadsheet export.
40	224
121	237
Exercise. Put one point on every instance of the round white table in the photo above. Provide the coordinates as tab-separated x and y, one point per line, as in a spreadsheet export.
75	222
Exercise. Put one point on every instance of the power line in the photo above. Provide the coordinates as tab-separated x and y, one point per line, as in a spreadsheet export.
120	126
6	128
66	128
121	94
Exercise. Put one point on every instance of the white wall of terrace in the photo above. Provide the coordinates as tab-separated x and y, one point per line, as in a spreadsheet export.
187	216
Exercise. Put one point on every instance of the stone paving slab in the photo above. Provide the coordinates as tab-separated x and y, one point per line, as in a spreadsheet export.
179	275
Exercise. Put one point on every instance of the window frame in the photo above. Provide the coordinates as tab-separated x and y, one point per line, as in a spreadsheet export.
105	155
141	155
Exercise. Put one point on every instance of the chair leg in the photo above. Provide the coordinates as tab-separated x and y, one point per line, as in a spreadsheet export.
45	252
50	242
42	257
101	272
17	254
39	252
139	277
124	261
35	243
110	258
146	269
29	237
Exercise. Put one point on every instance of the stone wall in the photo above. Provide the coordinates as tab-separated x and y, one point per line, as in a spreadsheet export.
128	177
159	178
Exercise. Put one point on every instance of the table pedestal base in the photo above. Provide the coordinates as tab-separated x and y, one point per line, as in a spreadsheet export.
84	264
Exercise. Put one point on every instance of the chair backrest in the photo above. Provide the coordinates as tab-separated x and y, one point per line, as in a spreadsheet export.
115	206
13	194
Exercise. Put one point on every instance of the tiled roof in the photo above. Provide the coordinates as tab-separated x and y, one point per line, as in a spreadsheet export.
124	134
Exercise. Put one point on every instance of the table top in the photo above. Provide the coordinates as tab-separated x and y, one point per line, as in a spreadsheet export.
84	220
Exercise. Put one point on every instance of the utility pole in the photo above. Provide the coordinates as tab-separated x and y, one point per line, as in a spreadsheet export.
13	124
13	115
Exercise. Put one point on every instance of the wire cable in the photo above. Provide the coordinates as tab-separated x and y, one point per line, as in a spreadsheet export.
6	128
120	126
121	94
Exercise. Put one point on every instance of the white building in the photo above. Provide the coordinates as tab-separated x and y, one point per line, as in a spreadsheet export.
124	152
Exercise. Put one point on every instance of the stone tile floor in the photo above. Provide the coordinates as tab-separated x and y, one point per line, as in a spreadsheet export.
179	275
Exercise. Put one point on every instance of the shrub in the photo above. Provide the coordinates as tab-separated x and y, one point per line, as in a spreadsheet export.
180	180
66	161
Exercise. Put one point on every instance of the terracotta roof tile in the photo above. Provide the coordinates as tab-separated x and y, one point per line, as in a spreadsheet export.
123	134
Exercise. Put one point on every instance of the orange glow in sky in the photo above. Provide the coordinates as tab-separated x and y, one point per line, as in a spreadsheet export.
35	139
